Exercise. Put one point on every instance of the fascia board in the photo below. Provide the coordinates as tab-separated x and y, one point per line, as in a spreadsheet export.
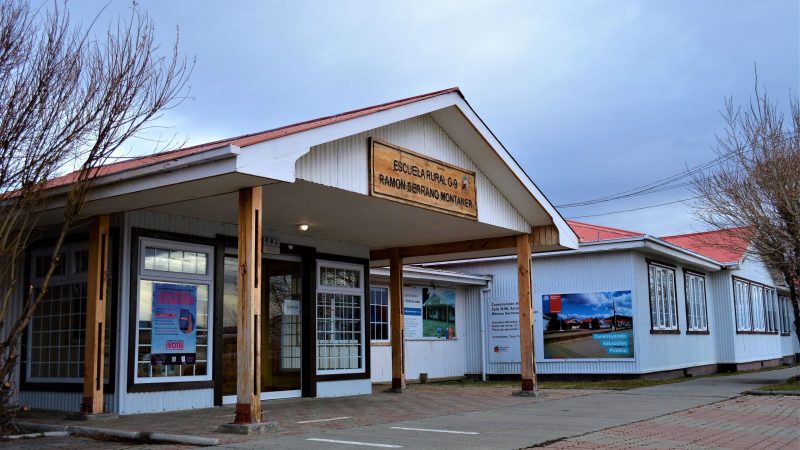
681	254
423	275
227	151
193	167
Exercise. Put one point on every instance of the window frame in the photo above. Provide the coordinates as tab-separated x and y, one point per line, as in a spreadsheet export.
69	278
170	242
654	329
687	274
362	291
77	240
750	285
388	322
786	312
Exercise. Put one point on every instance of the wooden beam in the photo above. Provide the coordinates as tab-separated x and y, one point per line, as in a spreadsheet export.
96	290
525	313
248	320
445	248
542	236
396	321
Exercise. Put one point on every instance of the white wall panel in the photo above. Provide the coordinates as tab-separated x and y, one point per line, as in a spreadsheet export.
658	352
60	401
343	163
344	388
147	402
380	363
439	358
755	347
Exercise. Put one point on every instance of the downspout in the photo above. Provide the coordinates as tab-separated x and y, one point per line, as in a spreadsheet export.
484	291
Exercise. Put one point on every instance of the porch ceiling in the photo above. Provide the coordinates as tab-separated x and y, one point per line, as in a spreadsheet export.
335	214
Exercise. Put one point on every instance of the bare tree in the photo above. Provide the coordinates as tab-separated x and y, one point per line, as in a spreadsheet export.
70	97
755	191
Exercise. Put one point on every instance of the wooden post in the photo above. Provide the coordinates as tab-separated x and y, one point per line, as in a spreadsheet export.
525	313
396	322
248	321
96	289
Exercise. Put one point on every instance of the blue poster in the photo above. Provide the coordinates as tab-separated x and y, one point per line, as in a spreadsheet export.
174	324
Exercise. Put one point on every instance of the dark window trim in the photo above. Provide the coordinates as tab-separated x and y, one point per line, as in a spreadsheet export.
763	286
308	387
686	273
365	328
136	234
673	268
665	331
114	257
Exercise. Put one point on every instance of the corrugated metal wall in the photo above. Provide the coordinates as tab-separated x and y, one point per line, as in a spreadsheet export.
472	323
721	303
438	358
754	347
61	401
343	163
146	402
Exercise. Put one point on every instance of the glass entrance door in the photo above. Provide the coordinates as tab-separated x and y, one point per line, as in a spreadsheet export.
281	326
281	343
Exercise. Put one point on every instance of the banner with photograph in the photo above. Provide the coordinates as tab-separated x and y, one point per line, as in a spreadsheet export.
174	336
504	330
429	313
588	325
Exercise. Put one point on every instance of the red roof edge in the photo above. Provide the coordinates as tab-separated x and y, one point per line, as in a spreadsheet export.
588	232
251	138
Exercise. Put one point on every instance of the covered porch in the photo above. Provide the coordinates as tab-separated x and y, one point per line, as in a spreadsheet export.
269	239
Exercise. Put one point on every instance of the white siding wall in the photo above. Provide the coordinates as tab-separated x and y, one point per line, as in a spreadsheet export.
343	163
754	347
724	330
611	271
438	358
61	401
657	352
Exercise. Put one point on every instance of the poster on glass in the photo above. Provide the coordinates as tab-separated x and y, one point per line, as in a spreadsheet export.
588	325
174	324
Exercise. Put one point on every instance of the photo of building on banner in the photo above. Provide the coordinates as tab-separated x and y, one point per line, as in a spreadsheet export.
174	324
588	326
430	313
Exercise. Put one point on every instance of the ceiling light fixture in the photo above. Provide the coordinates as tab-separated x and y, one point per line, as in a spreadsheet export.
302	227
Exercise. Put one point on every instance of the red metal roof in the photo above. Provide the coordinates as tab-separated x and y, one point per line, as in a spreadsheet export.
725	246
253	138
590	233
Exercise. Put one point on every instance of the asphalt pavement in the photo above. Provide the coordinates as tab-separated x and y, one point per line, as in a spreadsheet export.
534	424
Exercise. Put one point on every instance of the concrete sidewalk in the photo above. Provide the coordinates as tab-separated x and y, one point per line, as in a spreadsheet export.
537	423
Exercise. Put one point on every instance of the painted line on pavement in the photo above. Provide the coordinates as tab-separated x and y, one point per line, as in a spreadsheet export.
364	444
434	431
324	420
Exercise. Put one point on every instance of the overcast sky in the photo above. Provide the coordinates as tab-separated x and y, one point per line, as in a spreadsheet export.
592	98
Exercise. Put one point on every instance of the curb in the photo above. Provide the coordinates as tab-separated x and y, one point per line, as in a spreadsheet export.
767	392
138	436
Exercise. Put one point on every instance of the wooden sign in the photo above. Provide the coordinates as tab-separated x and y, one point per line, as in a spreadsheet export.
408	177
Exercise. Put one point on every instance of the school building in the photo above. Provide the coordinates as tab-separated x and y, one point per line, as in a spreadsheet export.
239	270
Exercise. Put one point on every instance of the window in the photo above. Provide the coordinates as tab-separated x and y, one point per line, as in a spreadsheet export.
696	312
771	306
741	298
663	302
786	315
57	329
173	315
757	304
340	300
379	314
